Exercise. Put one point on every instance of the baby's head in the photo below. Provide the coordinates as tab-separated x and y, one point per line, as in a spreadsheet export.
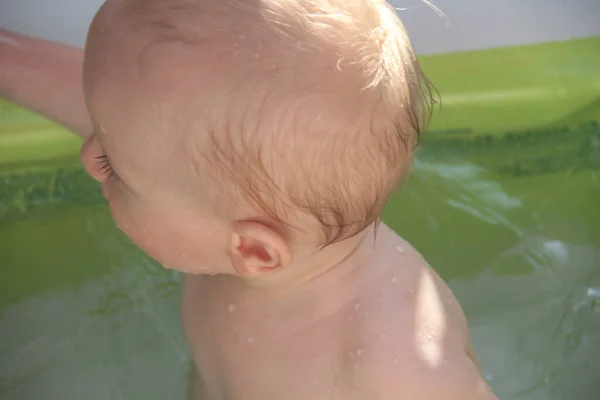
244	137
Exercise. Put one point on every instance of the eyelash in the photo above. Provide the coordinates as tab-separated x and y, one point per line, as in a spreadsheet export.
105	165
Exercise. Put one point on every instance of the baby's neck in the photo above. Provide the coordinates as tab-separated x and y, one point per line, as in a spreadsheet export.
312	312
332	280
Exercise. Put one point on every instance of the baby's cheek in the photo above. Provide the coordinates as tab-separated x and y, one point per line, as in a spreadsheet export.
184	250
122	220
174	249
125	218
151	235
169	239
145	238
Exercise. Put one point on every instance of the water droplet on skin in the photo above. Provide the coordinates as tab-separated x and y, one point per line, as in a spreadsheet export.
357	306
383	336
335	389
396	360
360	352
394	280
231	307
250	340
429	338
400	249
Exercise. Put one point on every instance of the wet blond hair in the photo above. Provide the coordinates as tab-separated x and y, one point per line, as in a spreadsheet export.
314	106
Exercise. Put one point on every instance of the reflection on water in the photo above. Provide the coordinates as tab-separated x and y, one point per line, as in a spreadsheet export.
521	252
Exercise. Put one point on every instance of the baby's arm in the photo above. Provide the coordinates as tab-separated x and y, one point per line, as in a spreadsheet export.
46	77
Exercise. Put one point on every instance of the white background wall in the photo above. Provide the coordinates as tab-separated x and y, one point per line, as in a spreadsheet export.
470	24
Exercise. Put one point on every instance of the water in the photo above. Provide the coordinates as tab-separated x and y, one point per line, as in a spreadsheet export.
513	225
89	317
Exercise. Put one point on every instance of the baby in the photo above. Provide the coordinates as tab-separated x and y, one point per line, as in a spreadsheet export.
252	145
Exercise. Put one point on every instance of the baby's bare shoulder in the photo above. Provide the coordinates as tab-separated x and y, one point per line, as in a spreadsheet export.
411	291
421	347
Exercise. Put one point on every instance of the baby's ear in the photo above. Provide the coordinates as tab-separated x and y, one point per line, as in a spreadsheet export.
257	250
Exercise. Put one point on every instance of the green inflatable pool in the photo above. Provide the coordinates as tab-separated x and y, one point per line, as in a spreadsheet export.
504	202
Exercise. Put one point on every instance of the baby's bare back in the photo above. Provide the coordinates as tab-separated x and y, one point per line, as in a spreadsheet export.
388	330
